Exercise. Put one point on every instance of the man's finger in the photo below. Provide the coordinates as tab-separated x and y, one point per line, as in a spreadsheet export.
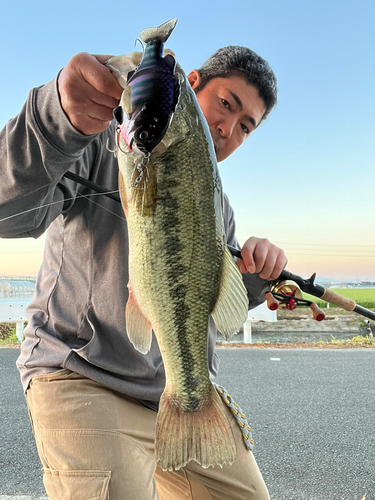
98	75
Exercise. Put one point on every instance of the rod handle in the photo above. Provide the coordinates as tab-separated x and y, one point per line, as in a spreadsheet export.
338	300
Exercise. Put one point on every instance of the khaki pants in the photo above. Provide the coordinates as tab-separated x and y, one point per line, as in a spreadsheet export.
96	444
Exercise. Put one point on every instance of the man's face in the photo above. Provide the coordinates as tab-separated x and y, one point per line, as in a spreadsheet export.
233	109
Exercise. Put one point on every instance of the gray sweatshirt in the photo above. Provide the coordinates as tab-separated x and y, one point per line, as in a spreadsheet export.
77	317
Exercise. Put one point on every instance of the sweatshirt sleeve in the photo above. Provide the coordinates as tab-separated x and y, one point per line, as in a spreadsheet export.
256	287
36	148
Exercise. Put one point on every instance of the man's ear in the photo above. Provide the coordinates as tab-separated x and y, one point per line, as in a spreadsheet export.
194	78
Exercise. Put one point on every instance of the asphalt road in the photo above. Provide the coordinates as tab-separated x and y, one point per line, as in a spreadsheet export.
311	412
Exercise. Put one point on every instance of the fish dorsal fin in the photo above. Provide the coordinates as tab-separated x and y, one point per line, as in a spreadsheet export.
230	310
162	32
126	100
138	327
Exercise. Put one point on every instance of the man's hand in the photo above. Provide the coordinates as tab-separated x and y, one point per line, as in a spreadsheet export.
88	92
260	256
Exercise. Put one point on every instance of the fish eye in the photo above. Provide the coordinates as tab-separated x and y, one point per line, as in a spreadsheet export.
143	135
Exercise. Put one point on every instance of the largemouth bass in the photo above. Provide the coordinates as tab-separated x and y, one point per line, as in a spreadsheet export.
180	273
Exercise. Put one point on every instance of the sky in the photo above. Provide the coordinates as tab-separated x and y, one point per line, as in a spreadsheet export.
306	178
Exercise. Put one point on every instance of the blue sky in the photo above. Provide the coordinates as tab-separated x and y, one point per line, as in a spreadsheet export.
306	178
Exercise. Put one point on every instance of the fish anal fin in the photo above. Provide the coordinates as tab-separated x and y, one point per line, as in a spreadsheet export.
204	436
230	310
138	327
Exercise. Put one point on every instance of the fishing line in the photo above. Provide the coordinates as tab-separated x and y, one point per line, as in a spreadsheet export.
56	202
105	208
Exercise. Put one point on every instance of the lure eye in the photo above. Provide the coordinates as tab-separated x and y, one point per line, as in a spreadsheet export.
143	135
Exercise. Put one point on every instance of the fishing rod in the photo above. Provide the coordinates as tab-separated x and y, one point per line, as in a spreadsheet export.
309	286
283	294
91	185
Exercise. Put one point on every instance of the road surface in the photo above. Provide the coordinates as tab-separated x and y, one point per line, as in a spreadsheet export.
312	414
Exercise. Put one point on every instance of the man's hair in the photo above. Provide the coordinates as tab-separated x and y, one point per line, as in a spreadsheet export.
244	62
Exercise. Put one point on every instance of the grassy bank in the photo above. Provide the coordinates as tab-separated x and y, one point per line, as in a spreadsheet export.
364	297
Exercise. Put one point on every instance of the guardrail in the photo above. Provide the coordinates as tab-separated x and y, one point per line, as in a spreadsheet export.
260	313
15	296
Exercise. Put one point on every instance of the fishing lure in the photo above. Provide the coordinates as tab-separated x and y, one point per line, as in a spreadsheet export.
151	93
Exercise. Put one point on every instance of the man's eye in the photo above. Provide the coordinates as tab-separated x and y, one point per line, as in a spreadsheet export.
245	129
225	103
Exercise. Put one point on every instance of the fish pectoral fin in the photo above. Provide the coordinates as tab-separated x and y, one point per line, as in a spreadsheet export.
230	310
138	327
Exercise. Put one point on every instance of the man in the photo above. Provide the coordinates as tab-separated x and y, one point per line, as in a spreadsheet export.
92	397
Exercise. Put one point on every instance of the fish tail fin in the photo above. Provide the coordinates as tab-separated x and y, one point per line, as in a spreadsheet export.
162	32
204	435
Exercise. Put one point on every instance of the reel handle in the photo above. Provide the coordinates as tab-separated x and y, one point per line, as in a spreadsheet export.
272	303
318	314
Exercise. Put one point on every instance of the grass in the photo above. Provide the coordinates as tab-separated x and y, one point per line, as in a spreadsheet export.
12	339
364	297
358	341
8	334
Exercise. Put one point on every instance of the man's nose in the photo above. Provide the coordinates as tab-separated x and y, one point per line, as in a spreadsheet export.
226	127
